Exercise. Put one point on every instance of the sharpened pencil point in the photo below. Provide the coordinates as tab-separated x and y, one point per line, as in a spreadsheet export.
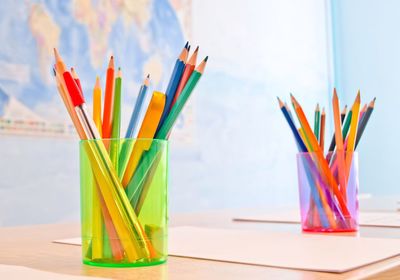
372	103
97	85
197	49
206	58
281	104
188	48
148	76
187	44
111	62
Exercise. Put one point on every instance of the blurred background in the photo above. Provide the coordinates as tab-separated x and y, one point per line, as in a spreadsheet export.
231	148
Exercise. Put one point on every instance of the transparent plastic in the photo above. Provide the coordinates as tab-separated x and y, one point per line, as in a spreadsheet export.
325	205
124	226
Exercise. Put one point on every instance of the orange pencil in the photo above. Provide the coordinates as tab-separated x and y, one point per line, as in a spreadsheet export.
339	144
322	163
108	100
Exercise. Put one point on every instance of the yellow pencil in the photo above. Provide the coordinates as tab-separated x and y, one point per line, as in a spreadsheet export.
351	140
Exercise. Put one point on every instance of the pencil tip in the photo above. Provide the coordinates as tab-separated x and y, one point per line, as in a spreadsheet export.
206	58
97	85
186	45
197	49
323	110
280	102
148	76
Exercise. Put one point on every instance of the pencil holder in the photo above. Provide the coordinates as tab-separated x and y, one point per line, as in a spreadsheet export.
325	205
124	224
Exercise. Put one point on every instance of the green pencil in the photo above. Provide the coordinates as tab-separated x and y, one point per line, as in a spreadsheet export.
183	97
317	121
116	120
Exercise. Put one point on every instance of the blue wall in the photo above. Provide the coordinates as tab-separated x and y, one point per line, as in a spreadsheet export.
367	57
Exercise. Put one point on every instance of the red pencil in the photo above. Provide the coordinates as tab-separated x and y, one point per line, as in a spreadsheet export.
108	100
189	68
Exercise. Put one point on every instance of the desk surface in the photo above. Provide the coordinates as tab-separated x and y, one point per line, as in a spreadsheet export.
31	246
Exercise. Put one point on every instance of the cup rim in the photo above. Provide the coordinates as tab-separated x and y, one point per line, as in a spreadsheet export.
166	141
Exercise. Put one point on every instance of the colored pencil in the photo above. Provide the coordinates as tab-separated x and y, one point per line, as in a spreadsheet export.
97	105
116	120
319	156
169	122
339	144
322	130
97	227
362	112
317	120
76	78
299	140
343	114
59	69
173	84
333	141
365	119
187	72
126	223
147	131
138	106
108	100
351	139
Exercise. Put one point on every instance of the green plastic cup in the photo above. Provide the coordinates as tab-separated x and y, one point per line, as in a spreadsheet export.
124	226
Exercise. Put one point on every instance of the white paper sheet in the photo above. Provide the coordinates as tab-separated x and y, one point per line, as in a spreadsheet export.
286	250
371	219
21	272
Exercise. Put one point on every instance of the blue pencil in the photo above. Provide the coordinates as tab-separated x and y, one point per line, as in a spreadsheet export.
138	106
173	84
307	161
302	147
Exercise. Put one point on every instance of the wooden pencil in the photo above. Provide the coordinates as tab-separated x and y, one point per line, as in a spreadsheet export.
339	144
322	163
322	130
108	100
365	119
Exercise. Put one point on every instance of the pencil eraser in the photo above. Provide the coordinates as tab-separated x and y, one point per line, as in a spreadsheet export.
73	89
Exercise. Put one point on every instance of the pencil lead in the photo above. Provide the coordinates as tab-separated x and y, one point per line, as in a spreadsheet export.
188	49
317	107
147	80
206	58
54	71
97	85
73	73
372	103
187	44
111	62
197	49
